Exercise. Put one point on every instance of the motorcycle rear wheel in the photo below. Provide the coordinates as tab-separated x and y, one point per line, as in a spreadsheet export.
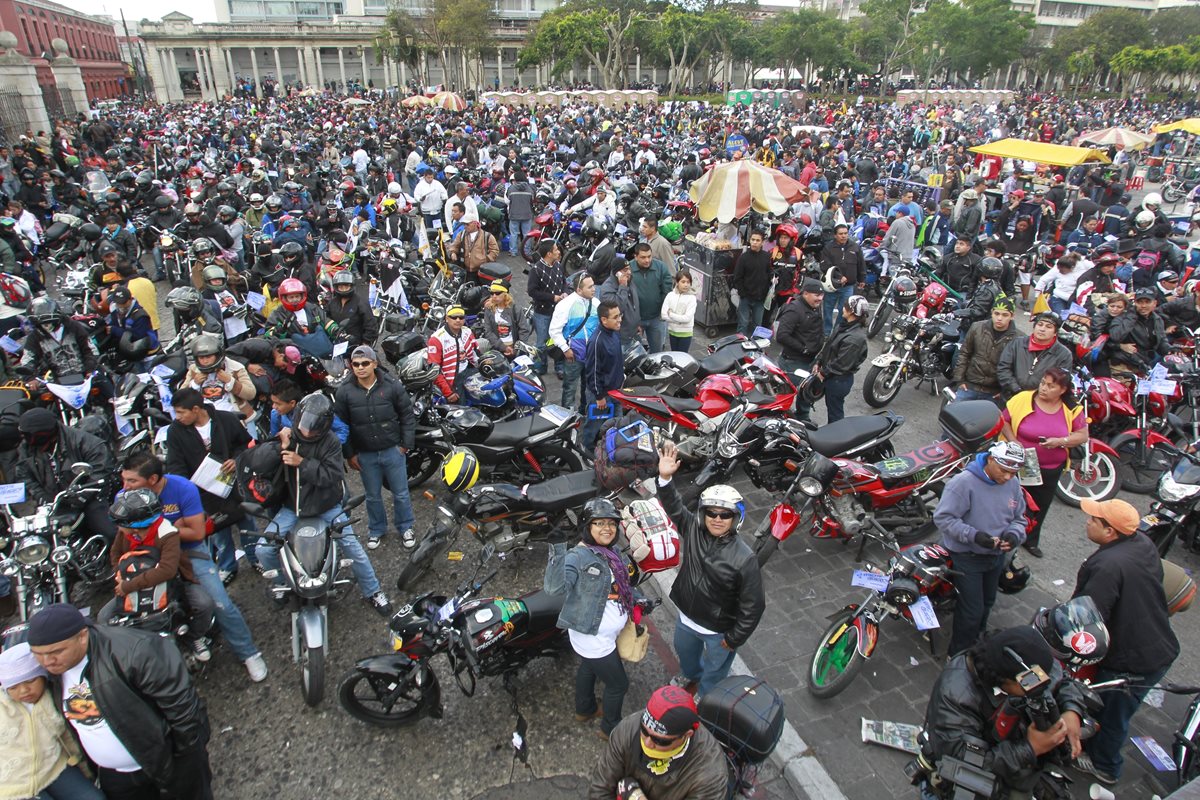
1102	484
876	390
883	313
555	460
529	248
359	693
1140	478
312	674
1172	192
834	667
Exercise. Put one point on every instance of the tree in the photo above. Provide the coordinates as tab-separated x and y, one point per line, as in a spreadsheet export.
973	36
458	25
683	37
884	34
1106	32
1175	25
598	33
1080	64
397	39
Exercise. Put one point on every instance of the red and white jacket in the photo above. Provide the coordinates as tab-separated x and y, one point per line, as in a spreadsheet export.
449	354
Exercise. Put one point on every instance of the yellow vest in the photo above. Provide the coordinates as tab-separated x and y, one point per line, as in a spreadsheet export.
1021	405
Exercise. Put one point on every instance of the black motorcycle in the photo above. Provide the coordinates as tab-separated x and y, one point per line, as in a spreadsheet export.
1173	516
923	349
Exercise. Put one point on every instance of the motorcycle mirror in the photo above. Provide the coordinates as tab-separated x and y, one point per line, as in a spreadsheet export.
81	467
354	502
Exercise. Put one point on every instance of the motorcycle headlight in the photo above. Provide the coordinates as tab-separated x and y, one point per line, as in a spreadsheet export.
1174	492
810	486
31	550
61	554
729	447
9	567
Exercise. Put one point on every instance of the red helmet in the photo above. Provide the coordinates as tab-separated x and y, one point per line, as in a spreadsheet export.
705	152
805	220
891	153
787	230
644	143
289	287
806	142
347	186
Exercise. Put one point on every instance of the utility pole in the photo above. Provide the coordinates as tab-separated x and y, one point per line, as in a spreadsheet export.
139	60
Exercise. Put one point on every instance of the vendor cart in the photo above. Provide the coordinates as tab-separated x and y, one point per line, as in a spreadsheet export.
712	273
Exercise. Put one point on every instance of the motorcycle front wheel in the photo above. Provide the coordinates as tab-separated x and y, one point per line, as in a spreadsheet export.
883	313
764	548
835	665
1172	192
881	385
529	248
1100	483
385	700
1141	465
421	464
312	674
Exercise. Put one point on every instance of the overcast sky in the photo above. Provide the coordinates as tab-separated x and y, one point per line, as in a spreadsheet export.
199	10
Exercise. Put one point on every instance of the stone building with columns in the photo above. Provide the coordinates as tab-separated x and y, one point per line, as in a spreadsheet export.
190	60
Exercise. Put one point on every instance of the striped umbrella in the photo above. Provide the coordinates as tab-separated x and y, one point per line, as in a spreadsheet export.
416	100
449	101
729	190
1129	139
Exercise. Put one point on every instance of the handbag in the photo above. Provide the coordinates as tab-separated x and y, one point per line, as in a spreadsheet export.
633	641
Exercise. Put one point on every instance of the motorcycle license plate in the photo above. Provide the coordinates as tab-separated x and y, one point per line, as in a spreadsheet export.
1151	520
882	361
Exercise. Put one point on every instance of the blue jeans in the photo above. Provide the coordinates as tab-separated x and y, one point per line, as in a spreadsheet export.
541	332
71	784
656	334
971	394
976	587
790	365
518	229
702	657
750	315
375	465
5	586
680	344
223	550
364	573
832	305
572	370
158	261
229	617
1119	707
836	391
1058	306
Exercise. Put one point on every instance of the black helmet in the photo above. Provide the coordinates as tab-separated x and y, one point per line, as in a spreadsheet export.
904	287
208	344
292	253
162	202
1014	578
274	203
1075	631
204	250
105	249
991	268
214	277
145	178
224	187
125	176
186	301
313	417
137	508
599	508
343	282
493	364
226	214
45	312
811	389
90	231
261	243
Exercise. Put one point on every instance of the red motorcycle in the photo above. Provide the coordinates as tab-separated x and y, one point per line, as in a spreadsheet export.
891	501
544	227
1093	472
1140	449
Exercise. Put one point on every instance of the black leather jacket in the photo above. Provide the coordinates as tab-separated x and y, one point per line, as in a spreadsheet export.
961	706
719	584
142	688
378	419
354	317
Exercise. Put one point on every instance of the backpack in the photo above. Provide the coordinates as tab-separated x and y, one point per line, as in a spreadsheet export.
260	475
1147	260
653	539
152	598
626	451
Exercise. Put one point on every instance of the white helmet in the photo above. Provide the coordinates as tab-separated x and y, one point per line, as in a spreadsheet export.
1152	199
394	189
722	496
1144	218
256	198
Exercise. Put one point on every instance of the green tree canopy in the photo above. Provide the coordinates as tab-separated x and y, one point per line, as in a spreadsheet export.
1175	25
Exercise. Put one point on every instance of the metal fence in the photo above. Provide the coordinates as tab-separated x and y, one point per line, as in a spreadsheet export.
55	108
13	121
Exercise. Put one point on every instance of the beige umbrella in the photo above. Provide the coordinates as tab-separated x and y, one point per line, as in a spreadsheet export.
1129	139
449	101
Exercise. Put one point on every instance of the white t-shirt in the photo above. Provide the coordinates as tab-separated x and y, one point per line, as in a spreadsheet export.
697	627
97	738
604	640
205	432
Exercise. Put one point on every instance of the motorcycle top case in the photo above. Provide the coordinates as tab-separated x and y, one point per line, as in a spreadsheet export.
970	422
495	271
745	715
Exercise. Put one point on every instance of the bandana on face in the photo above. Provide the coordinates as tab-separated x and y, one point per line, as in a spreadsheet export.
660	760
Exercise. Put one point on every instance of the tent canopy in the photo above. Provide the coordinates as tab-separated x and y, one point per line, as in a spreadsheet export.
729	190
1059	155
1189	125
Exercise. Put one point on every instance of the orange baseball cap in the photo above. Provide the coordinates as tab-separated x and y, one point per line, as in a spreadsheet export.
1120	515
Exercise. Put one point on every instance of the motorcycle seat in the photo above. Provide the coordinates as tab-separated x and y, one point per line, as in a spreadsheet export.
722	361
847	434
516	431
758	398
543	609
682	403
565	491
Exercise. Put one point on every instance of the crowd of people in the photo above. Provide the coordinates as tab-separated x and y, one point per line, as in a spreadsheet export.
285	200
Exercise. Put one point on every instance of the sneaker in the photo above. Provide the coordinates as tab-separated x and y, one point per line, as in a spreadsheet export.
256	667
200	650
408	538
683	682
227	576
373	542
1084	764
379	601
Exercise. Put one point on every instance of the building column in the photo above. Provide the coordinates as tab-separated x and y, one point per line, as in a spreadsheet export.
403	77
499	67
342	66
637	67
176	81
254	73
278	66
156	65
231	68
366	74
222	81
316	54
68	77
200	79
301	73
20	76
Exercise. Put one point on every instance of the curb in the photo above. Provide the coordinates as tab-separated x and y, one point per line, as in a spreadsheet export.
794	759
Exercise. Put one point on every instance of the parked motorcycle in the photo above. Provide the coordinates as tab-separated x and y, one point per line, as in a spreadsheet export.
49	553
1173	513
505	515
1143	450
678	374
309	560
917	348
1092	472
174	255
480	637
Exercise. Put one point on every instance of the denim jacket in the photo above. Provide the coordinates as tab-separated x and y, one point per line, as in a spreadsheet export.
586	579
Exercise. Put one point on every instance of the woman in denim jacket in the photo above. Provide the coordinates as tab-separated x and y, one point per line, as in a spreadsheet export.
595	576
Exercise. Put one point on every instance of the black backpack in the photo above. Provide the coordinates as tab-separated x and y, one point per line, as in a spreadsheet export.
260	475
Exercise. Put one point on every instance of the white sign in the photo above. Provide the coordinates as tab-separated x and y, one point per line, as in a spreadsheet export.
869	580
74	396
255	300
9	345
340	349
924	617
12	493
1162	386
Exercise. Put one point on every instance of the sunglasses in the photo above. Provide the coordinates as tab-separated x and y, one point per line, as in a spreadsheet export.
498	293
661	741
360	364
455	316
715	514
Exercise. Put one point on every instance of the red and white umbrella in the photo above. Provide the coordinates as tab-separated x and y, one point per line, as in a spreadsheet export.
729	190
416	100
1129	139
449	101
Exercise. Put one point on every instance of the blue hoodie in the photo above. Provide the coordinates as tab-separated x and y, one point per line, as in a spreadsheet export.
973	502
